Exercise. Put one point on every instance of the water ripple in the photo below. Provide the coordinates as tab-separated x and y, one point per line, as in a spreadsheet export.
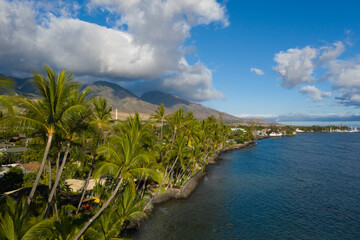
303	187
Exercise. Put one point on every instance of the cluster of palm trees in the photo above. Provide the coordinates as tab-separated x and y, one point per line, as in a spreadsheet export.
142	158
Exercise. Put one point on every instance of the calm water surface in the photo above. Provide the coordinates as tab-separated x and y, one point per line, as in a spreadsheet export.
303	187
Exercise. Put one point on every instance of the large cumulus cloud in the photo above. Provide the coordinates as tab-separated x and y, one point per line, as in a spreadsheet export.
297	66
146	41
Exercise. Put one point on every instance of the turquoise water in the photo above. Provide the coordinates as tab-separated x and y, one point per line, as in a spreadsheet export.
302	187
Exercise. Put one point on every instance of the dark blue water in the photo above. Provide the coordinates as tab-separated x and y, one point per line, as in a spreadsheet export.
302	187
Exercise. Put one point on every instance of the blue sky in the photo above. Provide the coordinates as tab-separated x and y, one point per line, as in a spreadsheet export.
260	29
304	55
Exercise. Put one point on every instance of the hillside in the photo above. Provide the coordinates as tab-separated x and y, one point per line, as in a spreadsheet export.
120	98
173	103
127	102
24	86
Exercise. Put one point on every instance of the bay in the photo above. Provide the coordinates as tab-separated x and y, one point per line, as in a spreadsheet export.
302	187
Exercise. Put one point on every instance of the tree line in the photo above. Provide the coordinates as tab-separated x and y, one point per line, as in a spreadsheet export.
137	158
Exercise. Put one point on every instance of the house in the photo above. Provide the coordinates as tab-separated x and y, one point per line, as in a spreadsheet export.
238	129
32	167
275	134
76	185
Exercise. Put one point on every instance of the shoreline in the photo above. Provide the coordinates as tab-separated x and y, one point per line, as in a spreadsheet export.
189	187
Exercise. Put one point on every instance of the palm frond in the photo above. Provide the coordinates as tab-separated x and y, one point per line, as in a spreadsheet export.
106	169
43	229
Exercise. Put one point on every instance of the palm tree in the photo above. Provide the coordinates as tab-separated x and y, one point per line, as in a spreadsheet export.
176	120
125	161
105	227
66	226
73	120
17	222
101	116
178	154
114	219
159	116
45	114
175	152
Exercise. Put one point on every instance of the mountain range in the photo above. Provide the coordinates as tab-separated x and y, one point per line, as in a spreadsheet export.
127	102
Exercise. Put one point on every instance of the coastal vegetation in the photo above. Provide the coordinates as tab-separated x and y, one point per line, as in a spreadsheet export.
71	136
329	128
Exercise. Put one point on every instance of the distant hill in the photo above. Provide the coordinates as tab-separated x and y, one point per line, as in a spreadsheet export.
169	100
119	98
24	86
127	102
173	103
104	88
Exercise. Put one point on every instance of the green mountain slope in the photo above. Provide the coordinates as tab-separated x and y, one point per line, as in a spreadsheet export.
127	102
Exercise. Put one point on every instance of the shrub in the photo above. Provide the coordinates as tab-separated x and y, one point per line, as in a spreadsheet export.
29	179
12	179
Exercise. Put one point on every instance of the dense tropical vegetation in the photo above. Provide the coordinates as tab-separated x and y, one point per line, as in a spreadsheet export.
73	136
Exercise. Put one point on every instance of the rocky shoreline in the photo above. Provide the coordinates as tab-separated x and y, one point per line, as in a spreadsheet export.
185	190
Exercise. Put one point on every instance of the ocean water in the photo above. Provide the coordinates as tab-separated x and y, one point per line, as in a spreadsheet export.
302	187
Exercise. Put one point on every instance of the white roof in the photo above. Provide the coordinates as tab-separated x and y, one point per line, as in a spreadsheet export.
76	184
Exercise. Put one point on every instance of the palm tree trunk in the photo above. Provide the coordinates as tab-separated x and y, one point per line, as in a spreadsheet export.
161	130
57	163
160	186
90	173
37	180
56	209
183	174
106	204
143	188
170	180
56	173
173	140
49	174
139	182
84	190
172	167
57	180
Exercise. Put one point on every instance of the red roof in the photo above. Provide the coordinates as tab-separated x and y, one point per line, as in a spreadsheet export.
32	167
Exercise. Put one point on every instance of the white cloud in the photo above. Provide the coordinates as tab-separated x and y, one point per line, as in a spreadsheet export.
152	47
295	66
314	93
192	82
331	53
257	71
304	117
345	78
265	115
344	75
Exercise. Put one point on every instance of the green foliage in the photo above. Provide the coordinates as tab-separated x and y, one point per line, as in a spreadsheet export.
109	225
103	191
32	155
29	179
12	179
8	131
18	222
329	128
9	158
133	153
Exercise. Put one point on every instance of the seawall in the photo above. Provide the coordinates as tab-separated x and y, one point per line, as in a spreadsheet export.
185	190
